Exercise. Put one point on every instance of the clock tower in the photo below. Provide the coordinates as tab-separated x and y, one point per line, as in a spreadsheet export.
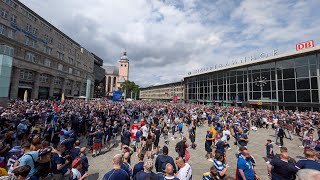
123	68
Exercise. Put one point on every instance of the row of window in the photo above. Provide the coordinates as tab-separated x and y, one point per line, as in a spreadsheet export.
33	43
29	56
7	31
43	78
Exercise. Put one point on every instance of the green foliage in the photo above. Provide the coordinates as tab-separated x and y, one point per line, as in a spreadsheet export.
128	87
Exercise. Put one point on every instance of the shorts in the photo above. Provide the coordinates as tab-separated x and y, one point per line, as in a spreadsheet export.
180	130
138	145
97	145
192	139
156	143
208	148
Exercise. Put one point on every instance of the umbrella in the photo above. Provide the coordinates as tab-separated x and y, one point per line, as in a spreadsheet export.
62	97
25	96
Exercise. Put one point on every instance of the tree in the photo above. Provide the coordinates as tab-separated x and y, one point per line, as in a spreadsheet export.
128	87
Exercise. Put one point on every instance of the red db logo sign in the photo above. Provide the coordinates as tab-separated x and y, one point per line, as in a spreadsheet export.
304	45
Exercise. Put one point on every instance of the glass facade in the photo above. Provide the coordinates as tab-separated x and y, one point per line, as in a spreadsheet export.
287	80
6	54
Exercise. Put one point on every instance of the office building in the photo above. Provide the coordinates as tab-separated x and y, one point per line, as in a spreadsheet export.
46	63
163	92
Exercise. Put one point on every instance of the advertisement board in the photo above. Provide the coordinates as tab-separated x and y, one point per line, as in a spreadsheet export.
117	96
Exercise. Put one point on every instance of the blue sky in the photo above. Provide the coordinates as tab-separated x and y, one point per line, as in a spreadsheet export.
165	39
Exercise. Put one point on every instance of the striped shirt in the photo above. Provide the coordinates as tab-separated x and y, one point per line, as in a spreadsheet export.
218	165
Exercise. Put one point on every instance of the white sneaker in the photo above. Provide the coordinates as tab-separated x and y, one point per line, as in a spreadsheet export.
229	149
301	146
211	160
227	165
268	162
280	146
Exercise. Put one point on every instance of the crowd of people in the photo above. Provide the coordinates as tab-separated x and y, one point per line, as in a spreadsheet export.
51	139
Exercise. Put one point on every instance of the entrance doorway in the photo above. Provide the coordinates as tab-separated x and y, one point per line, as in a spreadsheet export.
21	92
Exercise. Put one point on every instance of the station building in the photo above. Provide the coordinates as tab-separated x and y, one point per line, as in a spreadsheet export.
285	81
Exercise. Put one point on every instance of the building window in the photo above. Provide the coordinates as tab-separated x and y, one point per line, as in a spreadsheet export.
11	33
3	29
29	27
35	31
60	67
61	46
13	18
84	67
47	62
30	57
30	42
46	37
26	75
4	14
60	56
47	50
30	16
44	78
11	3
68	83
70	70
70	60
57	80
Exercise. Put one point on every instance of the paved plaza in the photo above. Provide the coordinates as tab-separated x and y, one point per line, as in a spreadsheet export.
103	163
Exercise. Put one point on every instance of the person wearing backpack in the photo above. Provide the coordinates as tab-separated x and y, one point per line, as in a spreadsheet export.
164	159
28	158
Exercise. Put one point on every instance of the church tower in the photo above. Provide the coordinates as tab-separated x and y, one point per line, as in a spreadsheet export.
123	68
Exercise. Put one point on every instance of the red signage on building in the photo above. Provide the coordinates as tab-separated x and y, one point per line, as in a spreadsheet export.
304	45
175	99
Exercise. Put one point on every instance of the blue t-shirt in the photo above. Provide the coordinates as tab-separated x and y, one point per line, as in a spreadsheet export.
26	159
308	164
220	147
138	167
209	142
116	174
56	159
247	168
268	147
138	135
242	142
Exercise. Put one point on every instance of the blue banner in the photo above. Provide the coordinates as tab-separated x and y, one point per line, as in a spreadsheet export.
117	96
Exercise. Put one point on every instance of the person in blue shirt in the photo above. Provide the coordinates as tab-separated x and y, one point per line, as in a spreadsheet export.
310	162
245	167
139	166
269	150
242	138
28	158
59	164
138	140
208	144
116	173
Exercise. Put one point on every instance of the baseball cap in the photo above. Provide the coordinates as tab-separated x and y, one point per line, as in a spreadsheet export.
76	162
15	149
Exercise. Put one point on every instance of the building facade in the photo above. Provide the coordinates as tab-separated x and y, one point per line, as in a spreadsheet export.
99	78
288	81
115	76
46	62
163	92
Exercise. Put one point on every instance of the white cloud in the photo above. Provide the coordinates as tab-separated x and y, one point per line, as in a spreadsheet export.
167	38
